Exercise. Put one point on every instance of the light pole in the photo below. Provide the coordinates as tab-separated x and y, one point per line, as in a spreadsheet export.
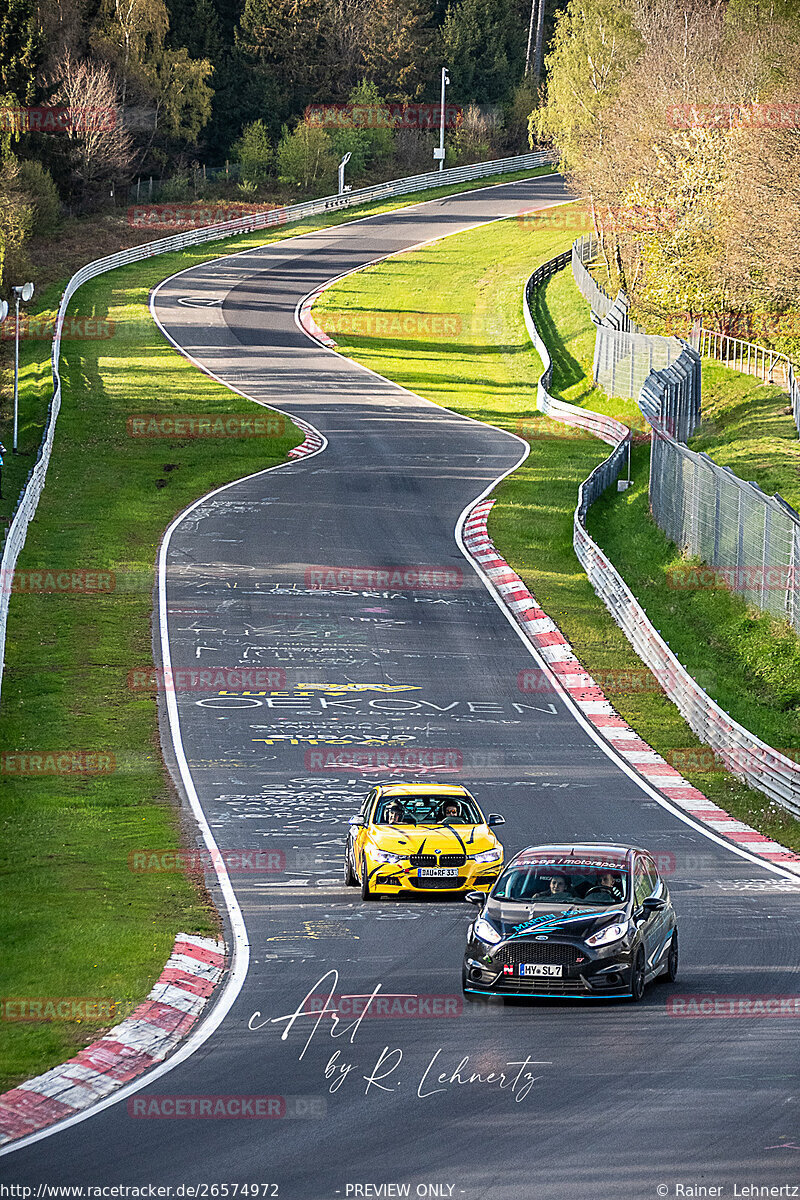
342	165
438	151
23	292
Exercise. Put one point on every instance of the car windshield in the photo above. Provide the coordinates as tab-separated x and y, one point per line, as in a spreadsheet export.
563	882
427	810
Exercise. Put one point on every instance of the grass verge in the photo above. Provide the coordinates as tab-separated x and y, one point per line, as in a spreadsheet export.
488	371
748	427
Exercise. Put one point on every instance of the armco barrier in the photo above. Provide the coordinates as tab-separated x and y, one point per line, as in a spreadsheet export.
750	359
29	497
745	755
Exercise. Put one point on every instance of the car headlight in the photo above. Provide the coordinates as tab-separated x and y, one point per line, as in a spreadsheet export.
485	932
611	933
487	856
384	856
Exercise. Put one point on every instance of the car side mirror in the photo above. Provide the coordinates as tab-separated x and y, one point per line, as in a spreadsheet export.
653	904
495	819
359	820
475	898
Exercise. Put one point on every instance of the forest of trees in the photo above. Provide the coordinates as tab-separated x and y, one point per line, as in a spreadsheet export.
679	121
202	83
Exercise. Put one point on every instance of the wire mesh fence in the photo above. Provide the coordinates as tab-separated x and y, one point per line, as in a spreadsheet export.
623	360
584	251
750	541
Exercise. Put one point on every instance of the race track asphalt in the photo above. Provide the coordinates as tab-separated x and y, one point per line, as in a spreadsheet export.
624	1098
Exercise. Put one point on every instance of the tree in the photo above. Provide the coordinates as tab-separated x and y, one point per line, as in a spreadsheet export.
595	44
305	156
480	45
132	35
321	49
16	222
254	152
22	49
98	149
179	86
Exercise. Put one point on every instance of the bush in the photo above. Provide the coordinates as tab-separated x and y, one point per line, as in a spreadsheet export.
306	156
356	143
254	152
40	192
475	138
175	188
413	153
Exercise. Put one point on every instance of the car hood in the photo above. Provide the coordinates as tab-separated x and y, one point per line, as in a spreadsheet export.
542	920
432	839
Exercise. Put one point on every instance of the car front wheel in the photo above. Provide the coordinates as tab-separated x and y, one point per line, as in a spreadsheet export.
366	894
638	976
350	877
671	972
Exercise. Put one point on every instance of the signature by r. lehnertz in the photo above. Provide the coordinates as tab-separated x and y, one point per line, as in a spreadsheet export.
386	1073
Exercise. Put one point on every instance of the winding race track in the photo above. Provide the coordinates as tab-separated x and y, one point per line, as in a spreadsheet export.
597	1101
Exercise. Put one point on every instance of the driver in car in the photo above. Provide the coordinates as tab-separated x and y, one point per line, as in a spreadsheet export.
450	811
393	814
557	886
609	883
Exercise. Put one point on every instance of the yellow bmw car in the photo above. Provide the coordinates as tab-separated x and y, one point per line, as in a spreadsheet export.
421	837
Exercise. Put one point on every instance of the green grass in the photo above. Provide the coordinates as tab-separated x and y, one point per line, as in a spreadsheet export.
748	427
489	372
78	922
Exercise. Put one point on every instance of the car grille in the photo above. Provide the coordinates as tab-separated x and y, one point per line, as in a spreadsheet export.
449	883
576	985
551	953
442	860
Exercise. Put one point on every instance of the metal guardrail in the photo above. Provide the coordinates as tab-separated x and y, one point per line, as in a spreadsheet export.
741	752
750	359
29	496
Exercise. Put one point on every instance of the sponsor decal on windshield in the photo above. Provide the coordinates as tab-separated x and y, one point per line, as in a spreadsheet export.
601	863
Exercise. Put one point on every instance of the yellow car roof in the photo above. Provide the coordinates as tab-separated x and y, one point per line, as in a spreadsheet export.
423	789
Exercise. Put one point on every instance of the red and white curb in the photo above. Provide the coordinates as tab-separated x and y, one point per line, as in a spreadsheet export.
312	442
584	692
308	323
143	1039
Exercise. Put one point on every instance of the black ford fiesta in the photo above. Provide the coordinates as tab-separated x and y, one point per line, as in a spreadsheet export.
590	920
